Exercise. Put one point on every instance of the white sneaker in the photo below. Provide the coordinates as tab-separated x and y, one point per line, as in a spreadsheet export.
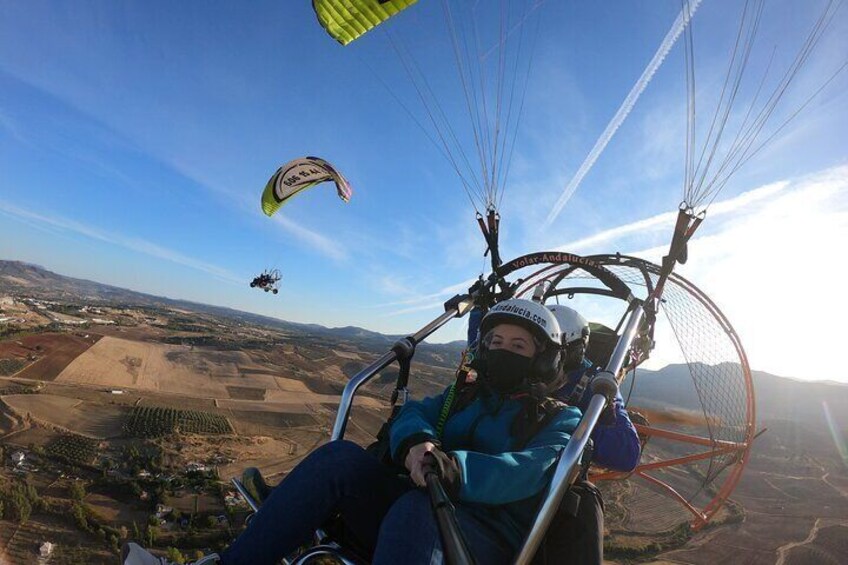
134	554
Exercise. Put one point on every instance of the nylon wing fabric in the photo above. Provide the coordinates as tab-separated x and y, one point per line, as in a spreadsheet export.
298	175
346	20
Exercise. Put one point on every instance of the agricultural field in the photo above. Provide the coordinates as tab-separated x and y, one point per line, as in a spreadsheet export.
193	372
85	418
11	366
150	422
284	384
829	545
246	393
9	419
113	511
32	435
185	502
73	448
347	355
270	423
273	456
19	543
46	355
121	363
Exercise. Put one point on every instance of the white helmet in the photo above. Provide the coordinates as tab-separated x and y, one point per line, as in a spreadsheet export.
535	317
572	325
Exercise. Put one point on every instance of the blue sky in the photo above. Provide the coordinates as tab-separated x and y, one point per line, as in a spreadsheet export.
136	138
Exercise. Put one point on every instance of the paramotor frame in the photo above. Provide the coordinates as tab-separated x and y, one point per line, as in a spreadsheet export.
268	280
727	428
722	389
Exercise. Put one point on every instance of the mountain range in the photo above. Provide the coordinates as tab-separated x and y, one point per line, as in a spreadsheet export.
17	277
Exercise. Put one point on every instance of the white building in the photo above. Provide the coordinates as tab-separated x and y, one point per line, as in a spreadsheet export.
46	549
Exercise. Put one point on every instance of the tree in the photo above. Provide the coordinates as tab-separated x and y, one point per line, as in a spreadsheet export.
174	515
158	462
20	507
135	488
78	512
173	554
211	521
31	494
77	491
136	531
152	533
193	512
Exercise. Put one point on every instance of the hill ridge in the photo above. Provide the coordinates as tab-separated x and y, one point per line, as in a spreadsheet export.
79	288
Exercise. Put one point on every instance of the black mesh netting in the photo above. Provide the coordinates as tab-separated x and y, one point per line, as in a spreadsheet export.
708	395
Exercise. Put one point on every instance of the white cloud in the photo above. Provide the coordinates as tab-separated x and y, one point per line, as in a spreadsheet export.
429	301
773	271
626	107
132	243
325	245
770	268
665	222
10	126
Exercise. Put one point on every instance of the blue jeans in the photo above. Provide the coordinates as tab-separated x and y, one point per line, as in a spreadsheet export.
383	511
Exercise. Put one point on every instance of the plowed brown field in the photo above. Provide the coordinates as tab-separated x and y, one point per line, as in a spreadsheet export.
175	369
53	352
94	420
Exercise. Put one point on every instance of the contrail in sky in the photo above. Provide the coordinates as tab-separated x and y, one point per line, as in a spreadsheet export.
677	28
128	242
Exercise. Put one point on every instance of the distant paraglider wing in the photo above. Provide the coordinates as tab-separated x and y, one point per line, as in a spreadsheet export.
298	175
346	20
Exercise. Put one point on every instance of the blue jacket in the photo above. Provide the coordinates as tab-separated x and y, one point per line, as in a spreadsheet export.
501	481
616	442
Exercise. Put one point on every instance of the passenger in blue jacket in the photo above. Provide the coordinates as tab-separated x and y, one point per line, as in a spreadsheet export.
616	442
494	451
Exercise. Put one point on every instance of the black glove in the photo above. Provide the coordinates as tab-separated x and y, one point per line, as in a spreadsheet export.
446	468
608	416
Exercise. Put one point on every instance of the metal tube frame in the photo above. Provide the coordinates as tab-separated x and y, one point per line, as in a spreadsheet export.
463	305
331	550
567	467
254	505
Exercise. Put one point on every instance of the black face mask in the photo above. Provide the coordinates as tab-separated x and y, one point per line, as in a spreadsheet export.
505	370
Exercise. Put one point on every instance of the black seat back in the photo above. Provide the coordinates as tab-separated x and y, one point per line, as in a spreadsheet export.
602	342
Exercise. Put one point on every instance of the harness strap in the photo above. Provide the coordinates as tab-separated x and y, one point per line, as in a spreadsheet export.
445	411
576	396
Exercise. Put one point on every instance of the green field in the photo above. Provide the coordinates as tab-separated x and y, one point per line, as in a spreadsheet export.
153	421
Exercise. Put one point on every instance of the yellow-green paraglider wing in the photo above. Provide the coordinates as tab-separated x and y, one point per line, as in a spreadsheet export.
346	20
298	175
